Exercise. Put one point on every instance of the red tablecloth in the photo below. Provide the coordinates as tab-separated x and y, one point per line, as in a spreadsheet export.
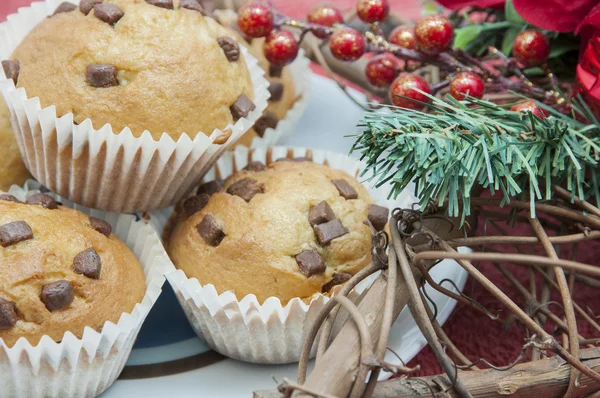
474	334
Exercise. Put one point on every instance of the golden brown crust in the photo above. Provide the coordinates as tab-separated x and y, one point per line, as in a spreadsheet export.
59	235
262	237
174	77
12	168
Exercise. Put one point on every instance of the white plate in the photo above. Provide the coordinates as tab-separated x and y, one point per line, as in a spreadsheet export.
169	360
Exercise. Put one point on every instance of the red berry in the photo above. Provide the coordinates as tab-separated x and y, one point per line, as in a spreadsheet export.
370	11
324	15
381	70
531	48
529	106
433	34
466	83
280	47
255	19
347	44
403	36
404	86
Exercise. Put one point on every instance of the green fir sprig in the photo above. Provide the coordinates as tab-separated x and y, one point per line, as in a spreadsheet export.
475	143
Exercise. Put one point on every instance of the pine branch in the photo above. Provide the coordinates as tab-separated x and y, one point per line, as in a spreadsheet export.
461	145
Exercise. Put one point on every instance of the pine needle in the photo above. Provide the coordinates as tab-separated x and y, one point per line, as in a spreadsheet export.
461	145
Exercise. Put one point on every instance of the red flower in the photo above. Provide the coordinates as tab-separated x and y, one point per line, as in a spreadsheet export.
587	83
555	15
458	4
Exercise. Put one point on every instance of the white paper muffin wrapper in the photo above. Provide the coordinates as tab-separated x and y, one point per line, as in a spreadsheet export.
301	75
85	367
106	169
242	328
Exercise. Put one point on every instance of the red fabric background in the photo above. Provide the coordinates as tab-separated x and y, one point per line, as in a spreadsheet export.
474	334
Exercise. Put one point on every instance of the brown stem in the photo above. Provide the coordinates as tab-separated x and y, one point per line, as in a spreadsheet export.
566	298
585	205
417	309
366	345
509	257
549	209
329	306
548	341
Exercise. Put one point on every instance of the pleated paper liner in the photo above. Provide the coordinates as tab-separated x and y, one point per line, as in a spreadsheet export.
86	366
241	327
106	169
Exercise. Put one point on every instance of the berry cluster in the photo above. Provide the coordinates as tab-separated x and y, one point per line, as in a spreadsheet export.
428	41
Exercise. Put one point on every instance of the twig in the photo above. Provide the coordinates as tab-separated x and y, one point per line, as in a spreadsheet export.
566	297
419	313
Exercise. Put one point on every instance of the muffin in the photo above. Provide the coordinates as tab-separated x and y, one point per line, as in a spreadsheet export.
291	230
281	82
282	90
135	64
12	168
128	102
61	271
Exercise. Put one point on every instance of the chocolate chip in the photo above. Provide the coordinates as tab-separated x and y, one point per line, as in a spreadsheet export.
57	295
268	120
255	166
310	263
14	232
192	5
230	48
320	214
65	6
101	226
276	90
44	200
275	71
295	160
108	13
337	279
88	263
246	188
345	189
11	69
378	215
242	107
210	187
8	314
210	230
85	6
9	198
168	4
101	75
194	204
328	231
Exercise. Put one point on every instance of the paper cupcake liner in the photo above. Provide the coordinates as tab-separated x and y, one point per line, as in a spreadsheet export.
301	75
243	328
106	169
86	366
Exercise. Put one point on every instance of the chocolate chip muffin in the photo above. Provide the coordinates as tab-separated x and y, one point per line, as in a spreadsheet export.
282	89
12	168
283	94
156	65
292	229
61	270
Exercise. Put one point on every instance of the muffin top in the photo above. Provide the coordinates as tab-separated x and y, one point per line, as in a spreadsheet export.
61	270
12	168
156	65
292	229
